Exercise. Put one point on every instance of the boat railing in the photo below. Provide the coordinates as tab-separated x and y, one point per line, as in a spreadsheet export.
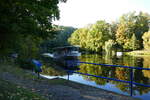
131	82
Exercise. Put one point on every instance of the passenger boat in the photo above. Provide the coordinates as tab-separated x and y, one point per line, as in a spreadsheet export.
66	55
66	51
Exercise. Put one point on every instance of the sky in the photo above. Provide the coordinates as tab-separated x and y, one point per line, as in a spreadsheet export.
79	13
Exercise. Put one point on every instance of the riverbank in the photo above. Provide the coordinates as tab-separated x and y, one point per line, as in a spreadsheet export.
54	89
10	91
138	53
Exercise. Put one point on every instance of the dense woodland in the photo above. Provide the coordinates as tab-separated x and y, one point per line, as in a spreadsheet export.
130	32
25	25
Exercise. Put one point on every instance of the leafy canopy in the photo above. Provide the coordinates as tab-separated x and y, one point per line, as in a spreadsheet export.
21	18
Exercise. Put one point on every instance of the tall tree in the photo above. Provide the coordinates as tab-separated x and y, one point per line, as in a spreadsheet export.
61	38
92	37
146	40
79	37
98	34
63	34
134	42
20	18
130	24
110	47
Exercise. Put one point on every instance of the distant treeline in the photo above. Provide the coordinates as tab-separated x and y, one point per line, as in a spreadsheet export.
60	39
130	32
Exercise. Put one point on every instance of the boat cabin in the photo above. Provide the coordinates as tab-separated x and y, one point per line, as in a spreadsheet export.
66	51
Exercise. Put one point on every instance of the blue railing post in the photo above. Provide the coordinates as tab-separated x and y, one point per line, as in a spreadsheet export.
68	75
131	80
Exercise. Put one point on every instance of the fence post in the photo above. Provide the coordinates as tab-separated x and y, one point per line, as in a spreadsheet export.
68	74
131	80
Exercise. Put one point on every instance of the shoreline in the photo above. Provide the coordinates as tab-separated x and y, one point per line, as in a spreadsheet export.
56	89
138	53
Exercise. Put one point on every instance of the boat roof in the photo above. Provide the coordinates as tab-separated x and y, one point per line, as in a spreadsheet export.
66	47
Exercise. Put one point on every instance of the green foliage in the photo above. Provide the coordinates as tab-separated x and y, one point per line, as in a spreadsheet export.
26	64
11	91
26	19
29	47
77	36
92	37
112	30
63	33
134	43
146	40
110	47
97	36
130	24
24	25
61	38
127	32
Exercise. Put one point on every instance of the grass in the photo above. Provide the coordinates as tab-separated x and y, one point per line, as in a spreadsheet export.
139	53
14	69
11	91
25	74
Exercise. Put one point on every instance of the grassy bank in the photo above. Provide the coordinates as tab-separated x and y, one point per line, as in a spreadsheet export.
11	91
10	67
19	84
138	53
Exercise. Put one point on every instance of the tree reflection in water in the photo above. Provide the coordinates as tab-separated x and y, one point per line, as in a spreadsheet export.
48	70
139	76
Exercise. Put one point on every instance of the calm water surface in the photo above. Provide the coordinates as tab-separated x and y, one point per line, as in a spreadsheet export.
139	76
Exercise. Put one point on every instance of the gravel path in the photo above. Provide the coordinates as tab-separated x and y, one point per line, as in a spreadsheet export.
69	91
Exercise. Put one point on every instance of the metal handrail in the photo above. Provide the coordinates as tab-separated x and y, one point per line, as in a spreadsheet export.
71	71
131	67
131	82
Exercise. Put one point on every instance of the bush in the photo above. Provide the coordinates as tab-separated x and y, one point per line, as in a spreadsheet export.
146	40
26	64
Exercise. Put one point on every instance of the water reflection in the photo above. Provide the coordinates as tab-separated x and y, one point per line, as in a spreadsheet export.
146	64
139	76
52	71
